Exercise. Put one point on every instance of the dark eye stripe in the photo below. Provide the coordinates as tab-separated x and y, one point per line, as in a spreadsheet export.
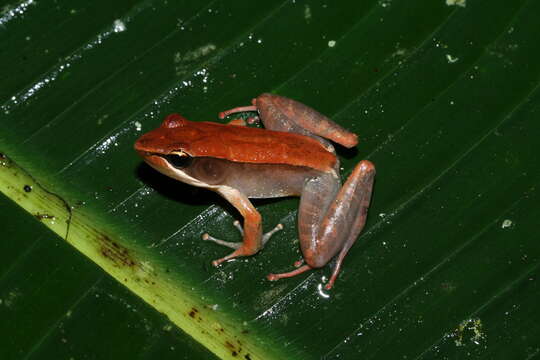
178	161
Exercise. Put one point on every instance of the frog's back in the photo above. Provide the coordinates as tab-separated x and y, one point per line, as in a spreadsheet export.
254	145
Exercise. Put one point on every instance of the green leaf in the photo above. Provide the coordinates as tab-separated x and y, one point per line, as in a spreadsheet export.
443	94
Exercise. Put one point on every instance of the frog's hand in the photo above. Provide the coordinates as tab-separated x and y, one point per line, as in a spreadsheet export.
284	114
253	239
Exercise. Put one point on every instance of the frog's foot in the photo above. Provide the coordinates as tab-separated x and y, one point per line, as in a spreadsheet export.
253	120
241	122
237	122
301	269
238	246
238	109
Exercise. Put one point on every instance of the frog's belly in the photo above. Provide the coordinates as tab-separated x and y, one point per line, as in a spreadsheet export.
252	180
271	180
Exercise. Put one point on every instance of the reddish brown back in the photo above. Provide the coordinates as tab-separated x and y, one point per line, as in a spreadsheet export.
235	143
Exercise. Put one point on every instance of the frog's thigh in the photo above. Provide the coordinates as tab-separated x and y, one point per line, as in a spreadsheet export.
343	218
284	114
275	119
317	196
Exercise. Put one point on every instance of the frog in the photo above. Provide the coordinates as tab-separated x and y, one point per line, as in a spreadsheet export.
292	155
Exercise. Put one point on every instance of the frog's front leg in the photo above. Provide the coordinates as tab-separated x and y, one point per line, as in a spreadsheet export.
253	239
330	219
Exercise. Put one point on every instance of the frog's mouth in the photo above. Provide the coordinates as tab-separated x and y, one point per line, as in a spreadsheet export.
177	159
177	166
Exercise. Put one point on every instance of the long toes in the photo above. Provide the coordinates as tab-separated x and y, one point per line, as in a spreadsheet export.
229	244
300	270
269	234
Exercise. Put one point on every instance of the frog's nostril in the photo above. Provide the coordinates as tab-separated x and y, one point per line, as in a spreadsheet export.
142	144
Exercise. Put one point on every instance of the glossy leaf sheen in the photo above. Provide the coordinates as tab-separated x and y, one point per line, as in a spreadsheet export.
445	100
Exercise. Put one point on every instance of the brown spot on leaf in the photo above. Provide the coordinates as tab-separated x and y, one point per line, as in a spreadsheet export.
41	216
115	252
193	312
234	351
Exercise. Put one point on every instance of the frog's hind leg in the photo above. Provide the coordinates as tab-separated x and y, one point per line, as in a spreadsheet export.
314	204
331	220
284	114
346	218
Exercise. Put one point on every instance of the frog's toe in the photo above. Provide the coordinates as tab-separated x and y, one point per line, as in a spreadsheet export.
298	263
231	244
300	270
269	234
237	225
234	254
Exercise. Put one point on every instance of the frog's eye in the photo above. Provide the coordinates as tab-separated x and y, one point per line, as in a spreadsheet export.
174	121
179	159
